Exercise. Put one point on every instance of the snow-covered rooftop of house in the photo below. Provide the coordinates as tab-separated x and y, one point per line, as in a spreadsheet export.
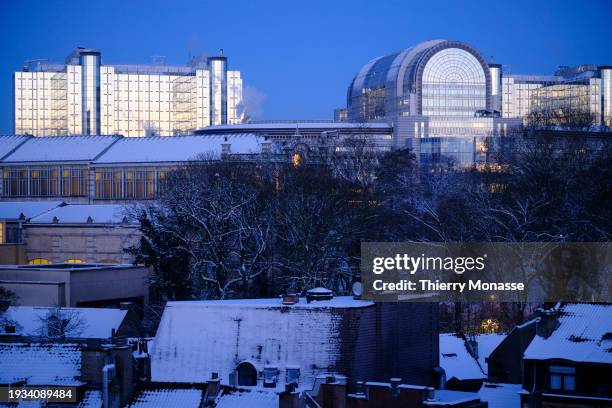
501	395
60	148
197	338
486	344
341	302
10	142
157	149
456	361
447	397
91	399
168	397
584	335
95	323
12	210
40	363
85	213
248	398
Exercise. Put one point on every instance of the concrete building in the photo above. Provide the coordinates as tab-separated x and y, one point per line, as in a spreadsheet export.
76	285
83	96
55	232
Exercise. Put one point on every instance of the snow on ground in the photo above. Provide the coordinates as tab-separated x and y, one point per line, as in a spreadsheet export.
501	395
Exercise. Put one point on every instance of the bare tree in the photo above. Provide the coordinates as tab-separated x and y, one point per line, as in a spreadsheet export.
61	323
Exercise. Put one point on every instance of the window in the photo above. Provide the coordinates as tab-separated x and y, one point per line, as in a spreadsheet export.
1	233
247	374
74	261
39	261
562	378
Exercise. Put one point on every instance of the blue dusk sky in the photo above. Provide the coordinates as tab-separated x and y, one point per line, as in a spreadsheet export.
298	58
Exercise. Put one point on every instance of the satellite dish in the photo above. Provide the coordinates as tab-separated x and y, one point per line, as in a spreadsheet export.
357	289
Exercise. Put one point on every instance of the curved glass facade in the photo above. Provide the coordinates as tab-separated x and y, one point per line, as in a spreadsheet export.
433	78
453	84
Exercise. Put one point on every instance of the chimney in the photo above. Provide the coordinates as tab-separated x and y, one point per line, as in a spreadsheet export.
546	322
318	294
289	398
291	298
213	386
225	148
395	382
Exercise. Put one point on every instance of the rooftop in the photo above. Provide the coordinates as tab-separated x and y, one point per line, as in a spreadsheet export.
13	210
248	398
60	148
501	395
197	338
156	149
40	363
456	361
84	214
168	397
584	335
97	323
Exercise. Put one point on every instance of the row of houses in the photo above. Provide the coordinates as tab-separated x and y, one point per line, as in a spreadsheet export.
318	351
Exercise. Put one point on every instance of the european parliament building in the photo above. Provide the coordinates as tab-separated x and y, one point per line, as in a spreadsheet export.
443	88
85	97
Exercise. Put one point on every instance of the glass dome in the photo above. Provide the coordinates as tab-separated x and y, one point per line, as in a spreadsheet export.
433	78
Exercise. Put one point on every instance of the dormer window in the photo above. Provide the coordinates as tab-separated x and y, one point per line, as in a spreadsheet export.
562	378
292	375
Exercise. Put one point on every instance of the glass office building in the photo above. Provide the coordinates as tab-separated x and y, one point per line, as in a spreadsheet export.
437	88
443	88
85	97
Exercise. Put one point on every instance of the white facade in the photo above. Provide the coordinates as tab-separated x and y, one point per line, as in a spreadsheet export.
131	100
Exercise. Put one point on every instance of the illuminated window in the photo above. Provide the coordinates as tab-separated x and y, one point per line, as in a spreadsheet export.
74	261
39	261
109	261
1	233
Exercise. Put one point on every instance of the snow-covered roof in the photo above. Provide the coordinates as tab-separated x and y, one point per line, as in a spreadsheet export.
247	398
197	338
84	213
60	148
12	210
301	125
91	399
8	143
97	323
456	361
168	397
448	398
501	395
584	335
170	149
40	363
486	344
